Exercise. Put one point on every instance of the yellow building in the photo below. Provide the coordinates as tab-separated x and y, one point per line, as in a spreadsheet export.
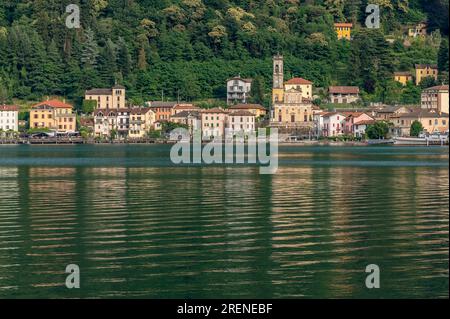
343	30
113	98
300	84
431	120
426	70
403	77
293	111
291	101
141	121
53	115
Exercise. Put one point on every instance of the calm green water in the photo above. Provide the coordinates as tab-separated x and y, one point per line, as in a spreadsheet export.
140	227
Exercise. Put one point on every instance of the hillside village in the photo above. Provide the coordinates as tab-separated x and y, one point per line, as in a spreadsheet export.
296	110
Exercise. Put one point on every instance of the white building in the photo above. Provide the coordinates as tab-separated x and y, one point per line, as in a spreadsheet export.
240	123
105	121
123	122
238	90
9	118
333	124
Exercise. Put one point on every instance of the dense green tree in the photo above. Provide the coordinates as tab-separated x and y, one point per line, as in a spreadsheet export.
416	129
188	48
379	130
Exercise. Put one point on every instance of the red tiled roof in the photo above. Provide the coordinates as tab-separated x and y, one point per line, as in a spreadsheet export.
9	108
55	104
344	89
298	81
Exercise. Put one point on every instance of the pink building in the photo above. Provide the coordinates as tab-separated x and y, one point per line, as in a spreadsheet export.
352	120
213	123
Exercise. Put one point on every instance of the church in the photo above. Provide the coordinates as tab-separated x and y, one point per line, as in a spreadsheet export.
291	100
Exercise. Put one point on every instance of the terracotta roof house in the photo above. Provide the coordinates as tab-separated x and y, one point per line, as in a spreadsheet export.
343	94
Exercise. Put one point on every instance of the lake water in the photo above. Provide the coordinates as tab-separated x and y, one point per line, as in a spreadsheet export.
140	227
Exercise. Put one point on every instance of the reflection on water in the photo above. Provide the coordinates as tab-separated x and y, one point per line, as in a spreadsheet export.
140	227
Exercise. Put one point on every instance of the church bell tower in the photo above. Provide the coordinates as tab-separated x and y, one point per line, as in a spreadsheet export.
278	79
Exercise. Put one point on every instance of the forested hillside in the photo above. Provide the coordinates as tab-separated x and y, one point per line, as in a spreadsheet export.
188	48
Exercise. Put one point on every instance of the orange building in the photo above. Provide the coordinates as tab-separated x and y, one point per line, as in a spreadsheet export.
53	115
343	30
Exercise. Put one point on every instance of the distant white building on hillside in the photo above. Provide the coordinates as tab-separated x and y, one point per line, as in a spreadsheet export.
238	90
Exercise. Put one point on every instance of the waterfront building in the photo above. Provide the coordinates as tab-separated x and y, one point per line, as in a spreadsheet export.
343	30
403	77
182	107
113	98
213	123
105	121
436	98
164	110
54	115
431	120
359	128
9	118
333	124
426	70
240	122
387	112
141	122
292	106
257	110
343	94
356	123
238	90
123	122
192	119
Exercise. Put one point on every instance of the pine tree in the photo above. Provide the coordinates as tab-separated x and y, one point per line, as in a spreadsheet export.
107	64
53	70
123	58
90	50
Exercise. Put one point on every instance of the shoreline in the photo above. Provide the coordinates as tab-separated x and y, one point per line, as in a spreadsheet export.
166	142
